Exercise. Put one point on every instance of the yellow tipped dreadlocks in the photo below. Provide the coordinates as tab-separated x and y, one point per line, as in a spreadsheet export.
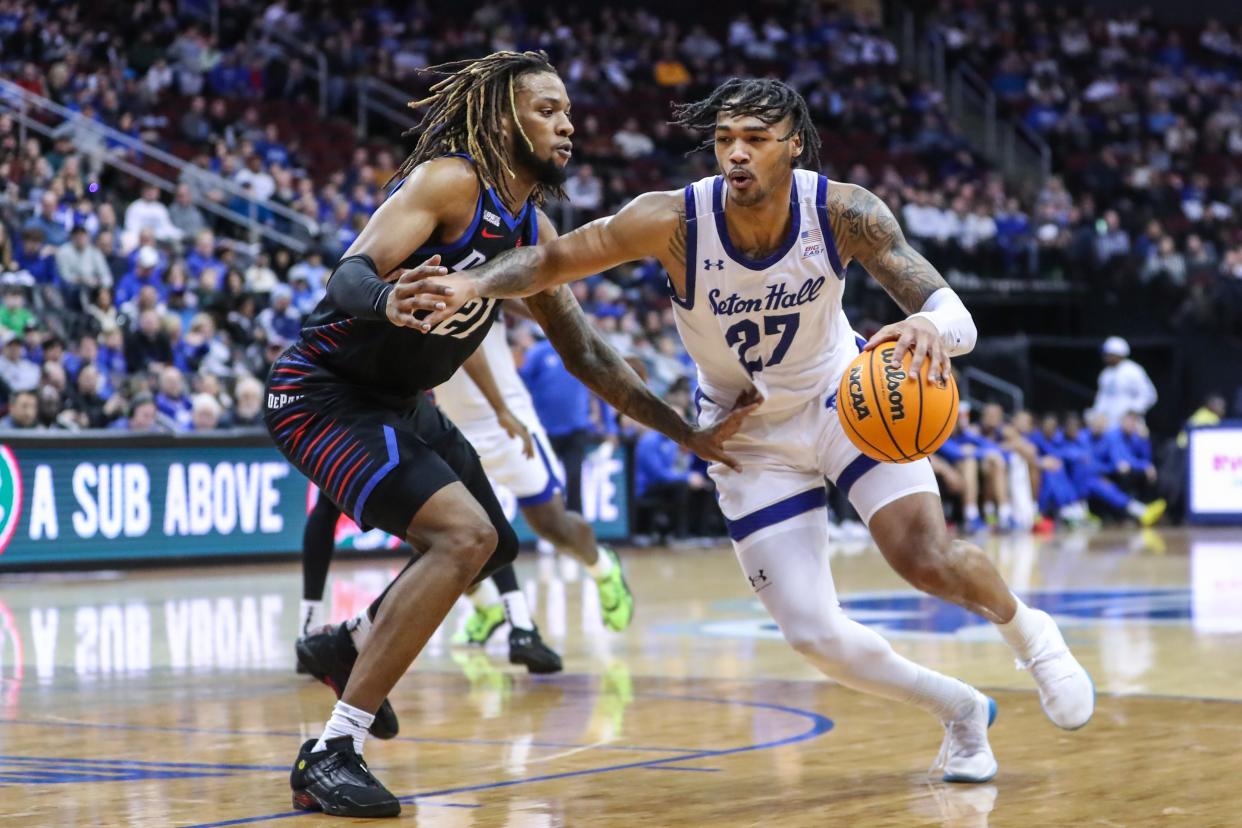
466	111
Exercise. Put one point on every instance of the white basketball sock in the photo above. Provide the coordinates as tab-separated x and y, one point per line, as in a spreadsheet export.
971	511
310	616
349	721
1023	631
787	567
485	594
603	565
516	610
359	628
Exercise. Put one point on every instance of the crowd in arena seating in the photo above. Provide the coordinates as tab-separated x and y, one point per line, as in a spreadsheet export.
1145	122
127	308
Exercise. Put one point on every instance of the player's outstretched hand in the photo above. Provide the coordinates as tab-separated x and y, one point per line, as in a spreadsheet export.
415	290
516	429
919	337
708	443
452	294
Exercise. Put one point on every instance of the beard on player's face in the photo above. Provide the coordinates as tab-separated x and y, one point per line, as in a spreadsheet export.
547	171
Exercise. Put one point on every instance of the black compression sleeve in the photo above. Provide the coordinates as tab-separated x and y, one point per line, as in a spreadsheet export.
357	289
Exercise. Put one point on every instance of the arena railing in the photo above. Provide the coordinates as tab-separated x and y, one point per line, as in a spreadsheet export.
33	111
376	97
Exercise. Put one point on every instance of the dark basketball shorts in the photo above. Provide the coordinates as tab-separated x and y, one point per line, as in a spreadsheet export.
379	464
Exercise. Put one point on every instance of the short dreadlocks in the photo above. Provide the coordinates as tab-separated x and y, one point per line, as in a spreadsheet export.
763	98
467	107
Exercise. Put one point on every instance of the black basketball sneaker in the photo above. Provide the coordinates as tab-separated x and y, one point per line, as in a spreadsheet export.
336	781
329	654
526	647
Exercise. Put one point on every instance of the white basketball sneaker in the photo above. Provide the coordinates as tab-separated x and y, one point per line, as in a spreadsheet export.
1066	692
965	755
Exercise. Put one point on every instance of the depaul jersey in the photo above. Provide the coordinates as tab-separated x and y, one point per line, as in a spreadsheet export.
775	323
465	404
397	363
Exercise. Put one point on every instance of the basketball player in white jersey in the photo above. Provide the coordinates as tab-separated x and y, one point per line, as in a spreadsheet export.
489	403
756	258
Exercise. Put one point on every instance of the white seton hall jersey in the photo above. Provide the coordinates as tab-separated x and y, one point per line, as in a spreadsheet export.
462	401
774	323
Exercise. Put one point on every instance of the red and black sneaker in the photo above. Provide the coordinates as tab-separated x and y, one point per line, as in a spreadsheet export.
329	654
336	781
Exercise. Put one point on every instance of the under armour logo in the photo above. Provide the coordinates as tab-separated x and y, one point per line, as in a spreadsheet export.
757	579
708	264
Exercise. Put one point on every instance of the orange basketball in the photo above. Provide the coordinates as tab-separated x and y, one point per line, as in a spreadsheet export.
888	414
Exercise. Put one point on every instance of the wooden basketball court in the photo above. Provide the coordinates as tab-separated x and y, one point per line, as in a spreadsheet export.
168	698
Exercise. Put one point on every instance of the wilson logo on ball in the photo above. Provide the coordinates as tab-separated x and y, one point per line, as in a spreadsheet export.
894	416
893	378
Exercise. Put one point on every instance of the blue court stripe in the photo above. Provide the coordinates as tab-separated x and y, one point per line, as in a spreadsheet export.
390	441
859	466
819	725
779	511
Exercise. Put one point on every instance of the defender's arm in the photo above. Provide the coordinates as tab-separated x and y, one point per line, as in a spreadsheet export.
598	365
647	226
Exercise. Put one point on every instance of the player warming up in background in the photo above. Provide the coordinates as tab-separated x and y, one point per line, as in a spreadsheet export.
756	258
346	404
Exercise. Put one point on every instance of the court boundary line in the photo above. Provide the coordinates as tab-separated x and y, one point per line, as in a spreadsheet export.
820	725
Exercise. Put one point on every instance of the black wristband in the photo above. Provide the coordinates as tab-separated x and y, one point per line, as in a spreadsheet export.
356	288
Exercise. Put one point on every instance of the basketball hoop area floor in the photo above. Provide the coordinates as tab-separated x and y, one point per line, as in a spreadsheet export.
168	698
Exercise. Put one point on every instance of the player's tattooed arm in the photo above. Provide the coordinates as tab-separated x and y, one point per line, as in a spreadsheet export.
642	228
598	365
867	232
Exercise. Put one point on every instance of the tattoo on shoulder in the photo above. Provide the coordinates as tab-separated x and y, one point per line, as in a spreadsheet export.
867	231
677	244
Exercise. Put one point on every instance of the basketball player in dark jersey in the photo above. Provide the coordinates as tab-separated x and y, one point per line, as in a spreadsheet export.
346	403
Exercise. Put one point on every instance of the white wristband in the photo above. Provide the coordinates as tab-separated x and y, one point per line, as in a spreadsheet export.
945	310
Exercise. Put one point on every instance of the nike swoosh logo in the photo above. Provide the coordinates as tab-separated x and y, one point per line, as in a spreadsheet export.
488	235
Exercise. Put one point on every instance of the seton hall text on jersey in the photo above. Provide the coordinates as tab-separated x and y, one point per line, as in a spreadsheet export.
778	297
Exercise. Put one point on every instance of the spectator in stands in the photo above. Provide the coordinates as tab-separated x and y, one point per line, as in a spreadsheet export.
23	411
564	407
145	274
81	265
94	409
260	278
49	220
148	346
1135	469
194	125
586	196
8	257
17	372
118	264
14	315
662	485
633	142
184	213
149	213
203	254
257	178
281	320
205	413
311	269
172	400
1123	385
248	411
52	411
142	416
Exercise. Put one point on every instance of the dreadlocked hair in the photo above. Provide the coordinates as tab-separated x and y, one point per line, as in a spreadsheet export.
466	108
763	98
